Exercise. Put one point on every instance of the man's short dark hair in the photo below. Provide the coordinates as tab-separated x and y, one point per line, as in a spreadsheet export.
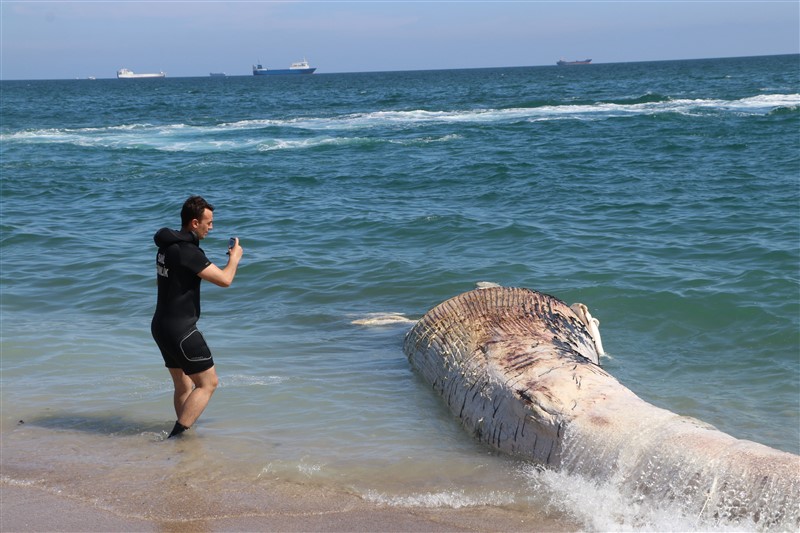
193	208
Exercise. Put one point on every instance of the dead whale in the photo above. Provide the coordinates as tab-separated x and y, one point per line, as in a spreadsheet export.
520	370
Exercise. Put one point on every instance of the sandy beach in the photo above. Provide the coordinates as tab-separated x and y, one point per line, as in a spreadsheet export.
31	509
59	481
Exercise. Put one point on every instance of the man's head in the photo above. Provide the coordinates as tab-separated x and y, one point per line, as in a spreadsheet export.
197	215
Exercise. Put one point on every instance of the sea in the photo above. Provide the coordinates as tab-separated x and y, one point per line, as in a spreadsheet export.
663	195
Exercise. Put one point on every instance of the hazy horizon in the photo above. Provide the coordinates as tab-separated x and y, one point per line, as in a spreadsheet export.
72	39
249	74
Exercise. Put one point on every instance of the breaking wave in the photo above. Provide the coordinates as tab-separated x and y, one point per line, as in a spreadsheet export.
404	127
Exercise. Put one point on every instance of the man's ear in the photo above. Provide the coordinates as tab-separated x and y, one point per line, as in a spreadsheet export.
193	224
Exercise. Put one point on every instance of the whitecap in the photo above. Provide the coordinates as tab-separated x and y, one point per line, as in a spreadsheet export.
182	137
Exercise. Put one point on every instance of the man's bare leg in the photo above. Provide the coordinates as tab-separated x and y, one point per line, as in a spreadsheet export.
195	402
183	387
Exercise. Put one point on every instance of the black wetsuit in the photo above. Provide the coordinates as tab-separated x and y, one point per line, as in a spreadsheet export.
178	261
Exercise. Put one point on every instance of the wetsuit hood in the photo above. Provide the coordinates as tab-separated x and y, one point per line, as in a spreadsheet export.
166	237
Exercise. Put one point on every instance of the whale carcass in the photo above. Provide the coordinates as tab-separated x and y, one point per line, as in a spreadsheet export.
520	370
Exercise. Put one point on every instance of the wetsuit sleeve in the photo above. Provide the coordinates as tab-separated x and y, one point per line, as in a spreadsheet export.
194	259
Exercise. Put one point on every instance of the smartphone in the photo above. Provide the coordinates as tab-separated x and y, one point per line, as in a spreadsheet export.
231	242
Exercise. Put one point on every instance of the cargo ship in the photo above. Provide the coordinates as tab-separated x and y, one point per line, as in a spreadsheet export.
301	67
124	73
561	62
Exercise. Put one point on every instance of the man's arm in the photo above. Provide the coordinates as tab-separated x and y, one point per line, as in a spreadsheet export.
223	276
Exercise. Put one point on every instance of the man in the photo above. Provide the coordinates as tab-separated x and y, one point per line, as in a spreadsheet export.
181	264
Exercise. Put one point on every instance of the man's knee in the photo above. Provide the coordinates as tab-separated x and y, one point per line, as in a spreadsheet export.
207	379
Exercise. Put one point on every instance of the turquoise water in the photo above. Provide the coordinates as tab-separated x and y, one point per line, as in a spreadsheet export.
665	196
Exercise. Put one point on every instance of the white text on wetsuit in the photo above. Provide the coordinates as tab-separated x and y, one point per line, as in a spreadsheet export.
161	268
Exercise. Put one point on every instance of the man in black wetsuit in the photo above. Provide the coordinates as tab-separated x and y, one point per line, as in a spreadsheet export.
180	266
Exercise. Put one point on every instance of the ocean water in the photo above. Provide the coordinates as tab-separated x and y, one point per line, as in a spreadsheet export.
665	196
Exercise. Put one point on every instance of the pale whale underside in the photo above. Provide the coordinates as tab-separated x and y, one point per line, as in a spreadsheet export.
519	369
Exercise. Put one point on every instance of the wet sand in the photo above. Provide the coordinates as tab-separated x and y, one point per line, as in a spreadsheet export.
31	509
72	481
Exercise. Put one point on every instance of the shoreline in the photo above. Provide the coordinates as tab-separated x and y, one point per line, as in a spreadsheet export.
71	481
32	509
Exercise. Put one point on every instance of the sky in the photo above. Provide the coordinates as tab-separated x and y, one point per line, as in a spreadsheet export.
79	39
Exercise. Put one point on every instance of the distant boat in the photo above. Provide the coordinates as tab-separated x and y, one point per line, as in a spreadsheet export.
217	74
124	73
561	62
301	67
